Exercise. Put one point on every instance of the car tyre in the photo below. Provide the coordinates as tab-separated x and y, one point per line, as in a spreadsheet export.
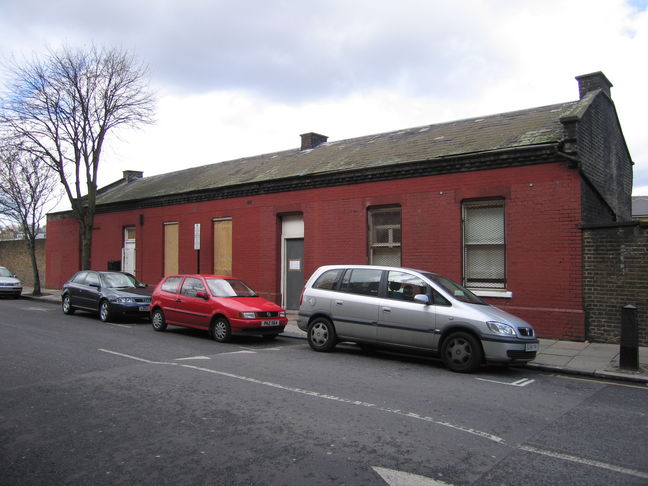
158	321
321	335
105	314
220	330
67	305
461	352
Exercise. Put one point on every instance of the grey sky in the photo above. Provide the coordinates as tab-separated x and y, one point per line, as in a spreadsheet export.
277	68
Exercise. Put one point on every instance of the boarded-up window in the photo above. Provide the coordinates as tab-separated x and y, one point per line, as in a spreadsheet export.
385	236
484	245
170	248
222	247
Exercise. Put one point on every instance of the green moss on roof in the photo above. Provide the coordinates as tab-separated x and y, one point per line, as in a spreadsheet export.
475	135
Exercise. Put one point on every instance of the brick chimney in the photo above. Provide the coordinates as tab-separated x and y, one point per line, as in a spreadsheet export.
311	140
132	175
593	81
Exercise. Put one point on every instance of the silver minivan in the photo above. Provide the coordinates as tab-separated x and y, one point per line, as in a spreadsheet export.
413	311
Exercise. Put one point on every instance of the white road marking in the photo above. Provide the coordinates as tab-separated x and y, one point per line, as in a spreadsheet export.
522	382
192	357
39	309
586	462
245	351
416	416
400	478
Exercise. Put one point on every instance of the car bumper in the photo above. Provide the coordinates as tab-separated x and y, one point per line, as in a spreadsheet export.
510	350
258	326
135	310
13	291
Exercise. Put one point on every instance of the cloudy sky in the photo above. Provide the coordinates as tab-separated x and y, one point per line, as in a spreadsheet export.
236	78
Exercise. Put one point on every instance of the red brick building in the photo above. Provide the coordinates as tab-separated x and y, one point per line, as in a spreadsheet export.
495	202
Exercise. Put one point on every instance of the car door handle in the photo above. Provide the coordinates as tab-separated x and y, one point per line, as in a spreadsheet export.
339	302
386	309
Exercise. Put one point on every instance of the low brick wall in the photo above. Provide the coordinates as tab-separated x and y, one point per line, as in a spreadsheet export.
615	274
15	256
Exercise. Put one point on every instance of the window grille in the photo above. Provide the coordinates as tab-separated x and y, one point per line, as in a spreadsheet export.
385	236
484	245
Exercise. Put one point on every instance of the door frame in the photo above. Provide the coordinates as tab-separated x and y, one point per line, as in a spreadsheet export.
292	228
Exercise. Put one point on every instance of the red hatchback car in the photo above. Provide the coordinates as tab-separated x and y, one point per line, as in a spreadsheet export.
221	305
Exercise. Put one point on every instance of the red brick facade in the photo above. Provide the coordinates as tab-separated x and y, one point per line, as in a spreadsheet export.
542	217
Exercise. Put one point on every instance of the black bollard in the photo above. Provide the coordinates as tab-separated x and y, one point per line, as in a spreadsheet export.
629	357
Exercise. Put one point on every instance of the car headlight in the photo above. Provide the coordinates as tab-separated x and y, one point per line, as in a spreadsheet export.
282	314
246	315
500	328
124	300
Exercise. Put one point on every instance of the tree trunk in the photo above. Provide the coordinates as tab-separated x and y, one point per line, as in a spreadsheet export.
31	245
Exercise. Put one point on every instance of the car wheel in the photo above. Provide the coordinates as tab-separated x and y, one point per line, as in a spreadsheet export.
157	320
461	352
105	314
221	330
67	306
321	335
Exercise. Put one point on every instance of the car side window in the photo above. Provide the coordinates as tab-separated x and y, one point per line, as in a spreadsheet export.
328	279
404	286
361	281
171	284
440	299
92	279
191	286
79	278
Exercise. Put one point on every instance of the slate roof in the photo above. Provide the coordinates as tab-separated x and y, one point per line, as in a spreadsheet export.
640	207
429	144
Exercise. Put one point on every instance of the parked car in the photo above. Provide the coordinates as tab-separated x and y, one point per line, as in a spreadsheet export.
9	284
222	305
412	311
112	294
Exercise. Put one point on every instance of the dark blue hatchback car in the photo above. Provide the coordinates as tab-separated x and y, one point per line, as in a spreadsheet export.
112	294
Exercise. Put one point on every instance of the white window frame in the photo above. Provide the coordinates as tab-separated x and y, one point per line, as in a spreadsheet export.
391	243
496	289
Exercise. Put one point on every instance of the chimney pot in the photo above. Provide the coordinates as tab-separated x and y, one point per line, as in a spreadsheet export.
132	175
311	140
593	81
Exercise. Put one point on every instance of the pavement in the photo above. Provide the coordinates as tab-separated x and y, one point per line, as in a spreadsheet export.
598	360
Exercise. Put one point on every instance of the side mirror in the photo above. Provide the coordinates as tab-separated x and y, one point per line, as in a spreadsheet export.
422	299
202	295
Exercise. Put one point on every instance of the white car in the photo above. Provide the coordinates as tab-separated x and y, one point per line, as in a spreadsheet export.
9	284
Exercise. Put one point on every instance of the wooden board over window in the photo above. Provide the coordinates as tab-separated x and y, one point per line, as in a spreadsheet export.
170	248
223	247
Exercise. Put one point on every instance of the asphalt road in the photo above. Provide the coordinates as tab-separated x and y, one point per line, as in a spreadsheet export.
82	402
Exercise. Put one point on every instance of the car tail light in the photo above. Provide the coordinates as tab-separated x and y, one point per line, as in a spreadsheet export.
301	296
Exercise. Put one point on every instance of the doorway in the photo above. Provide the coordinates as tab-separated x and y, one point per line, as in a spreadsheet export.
292	275
128	252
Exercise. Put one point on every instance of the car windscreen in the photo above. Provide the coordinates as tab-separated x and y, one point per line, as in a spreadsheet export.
222	287
454	289
116	281
4	272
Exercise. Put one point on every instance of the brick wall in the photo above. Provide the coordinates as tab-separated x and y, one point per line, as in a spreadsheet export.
542	211
15	256
615	262
605	161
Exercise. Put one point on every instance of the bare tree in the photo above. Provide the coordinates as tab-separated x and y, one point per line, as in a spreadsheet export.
28	188
64	106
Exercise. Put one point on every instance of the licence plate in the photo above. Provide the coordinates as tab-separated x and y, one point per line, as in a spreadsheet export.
531	347
144	308
269	323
